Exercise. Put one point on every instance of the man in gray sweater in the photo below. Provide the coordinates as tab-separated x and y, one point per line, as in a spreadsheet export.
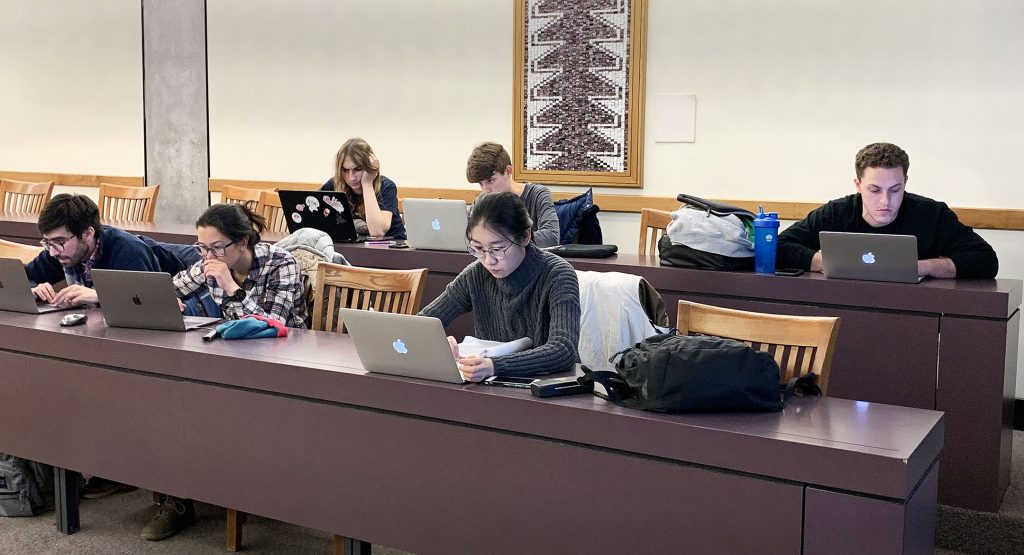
491	167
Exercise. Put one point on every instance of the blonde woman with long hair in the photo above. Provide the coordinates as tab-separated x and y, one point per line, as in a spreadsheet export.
357	171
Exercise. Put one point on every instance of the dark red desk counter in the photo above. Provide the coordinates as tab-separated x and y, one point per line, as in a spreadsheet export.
889	348
295	430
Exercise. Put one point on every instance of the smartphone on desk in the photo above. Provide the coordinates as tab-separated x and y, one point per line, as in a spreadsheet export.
789	272
509	381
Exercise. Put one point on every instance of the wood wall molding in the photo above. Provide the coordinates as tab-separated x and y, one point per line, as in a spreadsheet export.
74	180
980	218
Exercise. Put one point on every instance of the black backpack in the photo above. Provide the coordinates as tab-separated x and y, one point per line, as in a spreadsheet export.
696	373
26	487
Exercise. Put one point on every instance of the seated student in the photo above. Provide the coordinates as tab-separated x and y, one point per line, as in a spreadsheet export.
74	242
244	276
356	169
946	248
514	290
491	167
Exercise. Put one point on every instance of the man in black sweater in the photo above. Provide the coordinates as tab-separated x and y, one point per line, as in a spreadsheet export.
946	248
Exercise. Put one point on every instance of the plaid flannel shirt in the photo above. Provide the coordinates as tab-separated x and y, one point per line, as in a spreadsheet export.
273	288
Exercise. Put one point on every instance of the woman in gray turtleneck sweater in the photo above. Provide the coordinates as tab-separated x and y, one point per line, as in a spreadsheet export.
513	290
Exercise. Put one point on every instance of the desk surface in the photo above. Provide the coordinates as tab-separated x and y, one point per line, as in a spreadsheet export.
998	298
883	449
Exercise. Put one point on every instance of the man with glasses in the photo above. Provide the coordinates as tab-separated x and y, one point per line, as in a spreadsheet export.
75	242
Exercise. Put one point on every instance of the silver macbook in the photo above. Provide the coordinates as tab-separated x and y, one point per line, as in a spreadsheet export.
143	300
16	291
435	224
402	345
869	256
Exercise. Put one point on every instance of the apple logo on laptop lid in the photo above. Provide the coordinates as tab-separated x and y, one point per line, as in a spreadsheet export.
868	258
136	300
400	347
436	224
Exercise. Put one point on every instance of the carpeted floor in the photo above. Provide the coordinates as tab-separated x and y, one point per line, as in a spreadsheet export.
112	525
965	531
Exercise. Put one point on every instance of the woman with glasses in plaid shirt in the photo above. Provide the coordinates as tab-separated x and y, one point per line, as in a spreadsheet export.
513	290
244	275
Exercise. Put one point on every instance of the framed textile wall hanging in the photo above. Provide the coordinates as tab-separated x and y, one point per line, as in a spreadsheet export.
579	91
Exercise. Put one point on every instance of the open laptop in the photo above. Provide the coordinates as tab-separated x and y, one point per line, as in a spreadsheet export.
869	256
435	224
328	211
143	300
16	291
402	345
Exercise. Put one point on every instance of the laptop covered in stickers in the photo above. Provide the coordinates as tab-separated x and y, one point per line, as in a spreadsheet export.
328	211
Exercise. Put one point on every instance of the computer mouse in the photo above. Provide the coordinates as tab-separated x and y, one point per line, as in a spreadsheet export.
73	320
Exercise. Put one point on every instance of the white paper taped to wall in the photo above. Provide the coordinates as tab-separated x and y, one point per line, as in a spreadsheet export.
674	118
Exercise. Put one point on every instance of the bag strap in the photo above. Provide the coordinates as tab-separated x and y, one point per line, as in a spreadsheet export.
716	208
617	387
806	385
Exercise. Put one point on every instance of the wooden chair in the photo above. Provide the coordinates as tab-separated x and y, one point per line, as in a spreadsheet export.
338	286
270	207
24	253
127	204
240	195
652	227
799	344
22	197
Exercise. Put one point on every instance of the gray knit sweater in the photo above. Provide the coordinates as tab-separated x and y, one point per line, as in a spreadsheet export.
540	300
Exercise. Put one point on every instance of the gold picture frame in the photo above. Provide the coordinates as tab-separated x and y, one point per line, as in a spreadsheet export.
563	134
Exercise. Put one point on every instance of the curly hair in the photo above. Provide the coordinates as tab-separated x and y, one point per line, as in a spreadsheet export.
881	155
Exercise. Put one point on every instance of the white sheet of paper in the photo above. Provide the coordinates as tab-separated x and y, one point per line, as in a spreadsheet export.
674	118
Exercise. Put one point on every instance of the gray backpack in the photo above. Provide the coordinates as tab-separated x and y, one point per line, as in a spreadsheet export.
26	487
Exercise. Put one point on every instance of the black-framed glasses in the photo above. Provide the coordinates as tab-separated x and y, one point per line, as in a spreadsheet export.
57	243
217	250
497	253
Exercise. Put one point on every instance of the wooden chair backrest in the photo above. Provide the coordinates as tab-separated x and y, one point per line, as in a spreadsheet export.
338	286
799	344
24	253
652	227
270	208
239	195
23	197
127	204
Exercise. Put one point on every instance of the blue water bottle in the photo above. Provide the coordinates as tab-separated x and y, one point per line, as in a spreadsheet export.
766	230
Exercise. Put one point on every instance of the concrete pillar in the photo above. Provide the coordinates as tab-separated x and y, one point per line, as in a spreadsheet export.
175	103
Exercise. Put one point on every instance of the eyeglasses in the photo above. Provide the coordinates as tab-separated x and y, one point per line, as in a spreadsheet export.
57	243
217	250
497	253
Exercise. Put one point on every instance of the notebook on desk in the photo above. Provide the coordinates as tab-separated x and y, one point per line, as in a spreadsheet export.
435	224
16	291
142	300
402	345
869	256
328	211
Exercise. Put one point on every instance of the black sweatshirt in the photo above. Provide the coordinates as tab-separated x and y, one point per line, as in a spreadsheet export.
939	234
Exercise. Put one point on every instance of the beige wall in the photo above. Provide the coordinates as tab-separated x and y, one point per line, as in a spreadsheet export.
71	91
